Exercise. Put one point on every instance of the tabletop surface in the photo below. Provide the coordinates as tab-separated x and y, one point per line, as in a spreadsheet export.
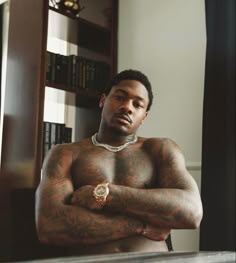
176	257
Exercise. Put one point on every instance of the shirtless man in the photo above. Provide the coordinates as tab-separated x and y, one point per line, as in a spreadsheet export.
116	192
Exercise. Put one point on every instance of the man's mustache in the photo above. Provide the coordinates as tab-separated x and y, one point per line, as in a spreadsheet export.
124	116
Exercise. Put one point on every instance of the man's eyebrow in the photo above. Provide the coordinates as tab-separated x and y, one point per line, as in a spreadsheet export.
121	90
126	93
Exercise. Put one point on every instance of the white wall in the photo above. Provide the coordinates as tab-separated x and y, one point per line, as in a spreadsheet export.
166	39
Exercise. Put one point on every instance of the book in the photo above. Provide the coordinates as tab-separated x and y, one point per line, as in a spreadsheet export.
63	79
72	71
50	67
46	138
60	132
77	72
55	133
67	135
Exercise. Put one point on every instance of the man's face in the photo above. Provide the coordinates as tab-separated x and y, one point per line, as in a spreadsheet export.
125	107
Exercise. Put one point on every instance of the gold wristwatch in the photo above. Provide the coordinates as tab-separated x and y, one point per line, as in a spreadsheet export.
101	192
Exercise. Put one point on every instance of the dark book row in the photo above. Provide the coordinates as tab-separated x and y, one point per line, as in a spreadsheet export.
55	133
77	72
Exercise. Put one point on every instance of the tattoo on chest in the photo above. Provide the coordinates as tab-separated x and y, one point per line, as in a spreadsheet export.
136	170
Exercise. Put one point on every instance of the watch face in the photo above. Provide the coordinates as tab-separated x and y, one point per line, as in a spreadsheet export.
101	190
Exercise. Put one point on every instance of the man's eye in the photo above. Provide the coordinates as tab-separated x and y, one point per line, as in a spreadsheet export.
138	105
120	98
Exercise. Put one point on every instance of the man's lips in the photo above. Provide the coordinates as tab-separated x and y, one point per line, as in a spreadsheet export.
124	117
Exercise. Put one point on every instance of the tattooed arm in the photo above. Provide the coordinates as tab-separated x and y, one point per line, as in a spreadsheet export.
175	205
60	223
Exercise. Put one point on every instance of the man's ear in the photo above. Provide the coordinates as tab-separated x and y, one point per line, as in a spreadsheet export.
102	100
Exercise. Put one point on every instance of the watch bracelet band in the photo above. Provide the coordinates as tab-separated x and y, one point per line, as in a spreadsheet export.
99	199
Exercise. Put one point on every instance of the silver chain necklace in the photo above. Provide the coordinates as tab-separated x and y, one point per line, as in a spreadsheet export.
112	148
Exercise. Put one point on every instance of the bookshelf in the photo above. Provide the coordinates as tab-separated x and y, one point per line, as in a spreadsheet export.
24	104
97	43
80	61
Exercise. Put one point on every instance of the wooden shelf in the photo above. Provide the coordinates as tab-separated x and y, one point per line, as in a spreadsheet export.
84	98
90	35
98	27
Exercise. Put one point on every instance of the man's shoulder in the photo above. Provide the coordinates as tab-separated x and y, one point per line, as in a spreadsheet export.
158	141
159	145
161	148
73	146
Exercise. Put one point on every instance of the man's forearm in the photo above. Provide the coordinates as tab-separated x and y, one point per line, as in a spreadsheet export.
72	225
165	208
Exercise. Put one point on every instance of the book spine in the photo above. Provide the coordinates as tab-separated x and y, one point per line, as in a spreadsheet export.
60	133
64	70
53	134
46	138
58	69
73	73
48	66
77	72
67	135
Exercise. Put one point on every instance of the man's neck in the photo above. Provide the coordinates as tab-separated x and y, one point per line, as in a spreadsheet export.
114	139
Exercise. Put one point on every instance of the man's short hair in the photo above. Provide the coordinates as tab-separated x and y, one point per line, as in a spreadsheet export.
131	74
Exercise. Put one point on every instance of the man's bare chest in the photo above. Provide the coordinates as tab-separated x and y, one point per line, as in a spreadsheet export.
127	168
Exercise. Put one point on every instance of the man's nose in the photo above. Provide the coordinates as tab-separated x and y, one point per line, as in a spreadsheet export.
127	106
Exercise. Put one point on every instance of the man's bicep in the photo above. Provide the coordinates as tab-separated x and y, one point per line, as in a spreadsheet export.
57	163
56	183
53	192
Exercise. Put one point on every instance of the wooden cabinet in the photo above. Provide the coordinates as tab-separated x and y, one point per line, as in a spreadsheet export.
24	109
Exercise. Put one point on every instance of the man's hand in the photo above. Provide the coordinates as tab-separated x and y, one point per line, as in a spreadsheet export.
154	233
84	197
